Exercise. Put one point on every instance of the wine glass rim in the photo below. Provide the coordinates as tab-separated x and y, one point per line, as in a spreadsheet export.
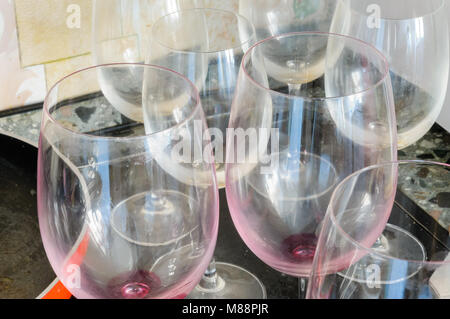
231	13
383	79
357	243
430	13
122	138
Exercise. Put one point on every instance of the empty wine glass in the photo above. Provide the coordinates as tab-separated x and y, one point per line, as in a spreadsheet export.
114	222
207	46
275	17
413	35
286	152
347	265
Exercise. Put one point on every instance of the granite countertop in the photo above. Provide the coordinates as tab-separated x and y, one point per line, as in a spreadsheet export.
229	248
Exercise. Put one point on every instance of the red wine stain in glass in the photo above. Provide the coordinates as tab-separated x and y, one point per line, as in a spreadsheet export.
300	247
134	285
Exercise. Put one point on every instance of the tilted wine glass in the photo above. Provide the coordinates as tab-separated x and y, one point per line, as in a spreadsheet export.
414	37
114	222
348	262
287	152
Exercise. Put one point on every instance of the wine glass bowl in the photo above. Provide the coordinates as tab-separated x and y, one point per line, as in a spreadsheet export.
413	262
121	34
206	45
419	86
303	185
115	222
296	149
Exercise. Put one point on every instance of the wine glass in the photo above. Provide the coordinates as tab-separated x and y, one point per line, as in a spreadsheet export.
286	152
207	46
417	265
114	222
413	35
275	17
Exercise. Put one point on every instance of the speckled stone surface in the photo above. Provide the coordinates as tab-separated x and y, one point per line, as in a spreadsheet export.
88	115
429	191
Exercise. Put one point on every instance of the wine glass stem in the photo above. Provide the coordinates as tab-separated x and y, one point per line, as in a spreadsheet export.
302	286
211	280
295	131
295	127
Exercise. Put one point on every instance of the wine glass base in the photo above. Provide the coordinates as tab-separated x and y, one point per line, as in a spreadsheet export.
233	282
394	242
399	243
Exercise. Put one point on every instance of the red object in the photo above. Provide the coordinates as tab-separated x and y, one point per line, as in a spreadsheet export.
56	291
